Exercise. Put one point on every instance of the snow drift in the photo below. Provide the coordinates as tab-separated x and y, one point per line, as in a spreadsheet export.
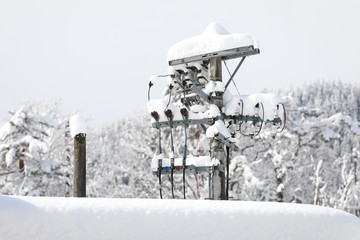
96	218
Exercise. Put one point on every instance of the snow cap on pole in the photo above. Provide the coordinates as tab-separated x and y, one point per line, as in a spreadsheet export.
77	125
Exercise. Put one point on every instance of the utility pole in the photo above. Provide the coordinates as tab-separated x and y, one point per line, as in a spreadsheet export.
80	165
217	147
198	75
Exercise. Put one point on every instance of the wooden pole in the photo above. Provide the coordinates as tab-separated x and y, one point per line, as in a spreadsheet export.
21	161
217	147
80	165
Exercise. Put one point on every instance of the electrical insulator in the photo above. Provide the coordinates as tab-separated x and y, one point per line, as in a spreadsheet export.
155	115
169	114
184	112
276	111
256	110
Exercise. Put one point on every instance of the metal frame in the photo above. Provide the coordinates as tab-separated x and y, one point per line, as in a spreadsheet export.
199	92
190	168
193	169
209	121
226	141
201	96
224	54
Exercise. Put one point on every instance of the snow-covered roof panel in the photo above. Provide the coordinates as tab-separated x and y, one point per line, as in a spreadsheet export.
214	38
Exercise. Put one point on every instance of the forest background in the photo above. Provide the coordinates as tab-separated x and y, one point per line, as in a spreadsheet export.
314	161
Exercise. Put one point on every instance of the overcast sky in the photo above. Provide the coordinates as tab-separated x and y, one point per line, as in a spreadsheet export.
98	55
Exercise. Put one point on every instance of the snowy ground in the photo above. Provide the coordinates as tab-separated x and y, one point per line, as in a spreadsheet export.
90	218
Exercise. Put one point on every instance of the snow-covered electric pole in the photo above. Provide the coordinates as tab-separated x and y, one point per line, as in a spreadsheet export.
217	147
196	97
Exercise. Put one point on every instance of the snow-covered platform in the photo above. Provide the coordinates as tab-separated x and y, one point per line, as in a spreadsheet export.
214	41
90	218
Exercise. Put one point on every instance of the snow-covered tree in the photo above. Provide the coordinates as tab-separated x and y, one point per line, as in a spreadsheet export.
32	151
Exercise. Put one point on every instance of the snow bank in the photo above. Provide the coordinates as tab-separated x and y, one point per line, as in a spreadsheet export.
86	218
77	125
214	38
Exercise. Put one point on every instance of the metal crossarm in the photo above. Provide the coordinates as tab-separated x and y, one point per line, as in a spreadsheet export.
208	121
248	118
224	54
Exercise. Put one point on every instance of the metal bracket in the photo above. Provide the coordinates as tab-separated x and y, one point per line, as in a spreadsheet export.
224	54
235	71
228	143
200	93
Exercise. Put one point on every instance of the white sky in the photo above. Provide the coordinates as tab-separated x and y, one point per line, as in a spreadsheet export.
98	55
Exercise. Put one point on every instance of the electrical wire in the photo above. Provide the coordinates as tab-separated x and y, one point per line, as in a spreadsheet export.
227	171
185	145
170	88
284	117
150	85
197	155
262	122
159	160
254	119
170	116
184	160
